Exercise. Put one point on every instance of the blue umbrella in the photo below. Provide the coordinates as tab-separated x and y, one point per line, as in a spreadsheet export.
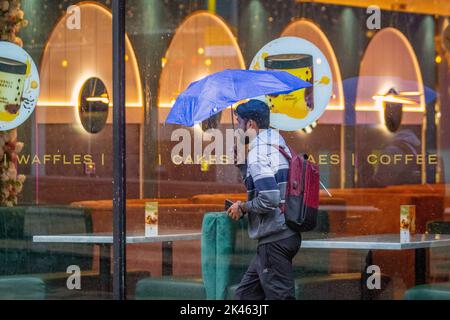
210	95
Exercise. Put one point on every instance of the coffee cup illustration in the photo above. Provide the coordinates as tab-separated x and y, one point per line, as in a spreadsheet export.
13	75
300	103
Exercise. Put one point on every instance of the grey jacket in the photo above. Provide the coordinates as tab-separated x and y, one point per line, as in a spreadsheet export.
265	177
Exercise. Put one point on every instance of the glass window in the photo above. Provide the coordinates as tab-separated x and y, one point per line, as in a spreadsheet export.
370	114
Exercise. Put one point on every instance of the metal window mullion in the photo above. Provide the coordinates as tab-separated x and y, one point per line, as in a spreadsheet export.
119	151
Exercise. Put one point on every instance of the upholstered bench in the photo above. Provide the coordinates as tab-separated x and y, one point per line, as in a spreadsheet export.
169	288
440	268
22	288
435	291
439	257
28	265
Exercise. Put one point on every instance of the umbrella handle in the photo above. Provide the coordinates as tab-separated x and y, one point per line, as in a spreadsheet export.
232	118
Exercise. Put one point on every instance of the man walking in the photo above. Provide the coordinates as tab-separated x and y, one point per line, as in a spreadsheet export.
270	274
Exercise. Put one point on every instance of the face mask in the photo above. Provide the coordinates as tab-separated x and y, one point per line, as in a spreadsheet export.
247	138
243	138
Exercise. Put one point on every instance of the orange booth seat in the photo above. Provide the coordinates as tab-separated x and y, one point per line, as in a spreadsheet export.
377	211
441	189
428	187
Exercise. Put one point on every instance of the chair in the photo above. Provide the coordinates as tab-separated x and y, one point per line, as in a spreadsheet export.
435	291
439	257
22	288
170	288
25	265
216	247
440	262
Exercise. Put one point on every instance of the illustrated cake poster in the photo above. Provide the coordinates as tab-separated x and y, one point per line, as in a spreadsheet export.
19	86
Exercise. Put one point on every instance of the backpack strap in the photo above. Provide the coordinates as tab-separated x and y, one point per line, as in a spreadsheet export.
282	206
282	151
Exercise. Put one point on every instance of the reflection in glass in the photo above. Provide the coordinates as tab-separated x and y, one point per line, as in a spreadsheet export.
93	105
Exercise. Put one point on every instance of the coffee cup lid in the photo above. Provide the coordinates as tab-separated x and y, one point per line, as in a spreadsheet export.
288	61
12	66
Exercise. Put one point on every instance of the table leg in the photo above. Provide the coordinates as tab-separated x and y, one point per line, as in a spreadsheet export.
105	268
420	266
167	258
366	294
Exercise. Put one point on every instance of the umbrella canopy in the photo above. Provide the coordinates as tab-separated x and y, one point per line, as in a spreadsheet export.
210	95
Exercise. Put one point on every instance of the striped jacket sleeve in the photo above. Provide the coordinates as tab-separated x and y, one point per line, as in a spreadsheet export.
267	192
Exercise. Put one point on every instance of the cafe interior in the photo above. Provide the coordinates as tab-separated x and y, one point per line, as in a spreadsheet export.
380	145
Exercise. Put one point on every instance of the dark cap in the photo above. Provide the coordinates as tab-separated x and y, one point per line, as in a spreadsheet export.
256	110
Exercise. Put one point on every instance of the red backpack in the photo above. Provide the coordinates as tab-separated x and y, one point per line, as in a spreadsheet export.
302	192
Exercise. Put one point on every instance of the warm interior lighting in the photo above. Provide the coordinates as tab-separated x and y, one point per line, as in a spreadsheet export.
72	105
62	89
370	33
438	7
309	31
98	99
394	99
376	108
167	105
202	44
438	59
393	96
410	93
335	108
379	75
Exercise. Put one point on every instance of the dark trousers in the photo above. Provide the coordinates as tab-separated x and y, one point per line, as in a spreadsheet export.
270	275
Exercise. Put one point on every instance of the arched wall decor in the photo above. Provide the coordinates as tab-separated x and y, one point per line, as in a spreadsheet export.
202	44
308	30
389	62
72	56
334	113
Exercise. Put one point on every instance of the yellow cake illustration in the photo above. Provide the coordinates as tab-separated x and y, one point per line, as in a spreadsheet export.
300	103
13	75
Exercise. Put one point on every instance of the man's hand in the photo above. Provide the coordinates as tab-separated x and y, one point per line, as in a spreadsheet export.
235	212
